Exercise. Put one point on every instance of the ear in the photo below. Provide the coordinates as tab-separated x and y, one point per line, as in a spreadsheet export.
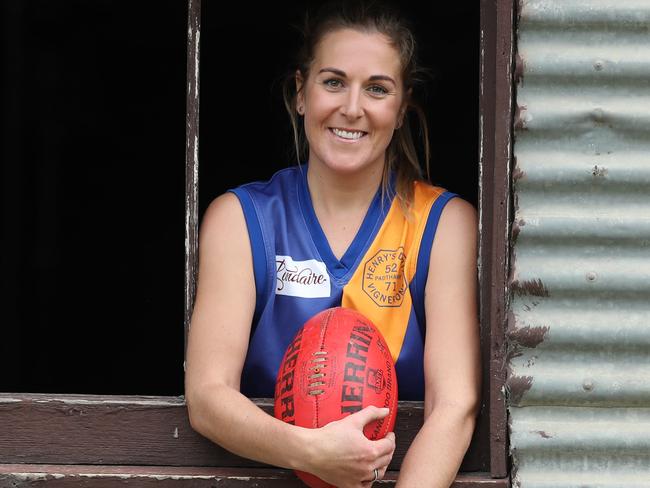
299	85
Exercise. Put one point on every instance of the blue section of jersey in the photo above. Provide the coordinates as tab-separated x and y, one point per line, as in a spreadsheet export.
409	367
278	211
297	276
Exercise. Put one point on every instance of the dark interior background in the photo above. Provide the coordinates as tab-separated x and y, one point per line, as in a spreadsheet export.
93	168
253	53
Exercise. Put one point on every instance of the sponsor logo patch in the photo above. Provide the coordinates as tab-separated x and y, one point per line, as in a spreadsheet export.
306	279
383	277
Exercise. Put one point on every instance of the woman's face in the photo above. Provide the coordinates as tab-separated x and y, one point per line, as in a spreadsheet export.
351	100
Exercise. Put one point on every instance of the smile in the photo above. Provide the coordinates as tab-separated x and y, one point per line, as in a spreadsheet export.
347	135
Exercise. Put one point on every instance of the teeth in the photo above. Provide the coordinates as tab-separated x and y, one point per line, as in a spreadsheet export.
347	135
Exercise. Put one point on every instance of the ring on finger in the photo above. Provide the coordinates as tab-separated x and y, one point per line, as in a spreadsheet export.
376	472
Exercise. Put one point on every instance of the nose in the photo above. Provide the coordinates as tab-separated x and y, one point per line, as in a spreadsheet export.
352	104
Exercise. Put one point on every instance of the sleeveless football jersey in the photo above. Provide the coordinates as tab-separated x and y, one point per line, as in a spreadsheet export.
382	274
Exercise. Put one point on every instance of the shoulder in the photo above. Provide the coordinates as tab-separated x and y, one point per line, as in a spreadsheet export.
461	215
457	232
279	181
457	214
223	210
229	211
223	224
224	248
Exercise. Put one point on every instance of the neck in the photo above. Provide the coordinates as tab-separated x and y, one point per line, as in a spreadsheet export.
334	193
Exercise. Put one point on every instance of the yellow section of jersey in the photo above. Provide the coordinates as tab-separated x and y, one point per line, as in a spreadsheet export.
379	288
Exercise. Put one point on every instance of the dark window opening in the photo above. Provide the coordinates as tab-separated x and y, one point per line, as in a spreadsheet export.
245	132
93	170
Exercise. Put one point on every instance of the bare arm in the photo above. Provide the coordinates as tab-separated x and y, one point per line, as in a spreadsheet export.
451	355
217	346
218	341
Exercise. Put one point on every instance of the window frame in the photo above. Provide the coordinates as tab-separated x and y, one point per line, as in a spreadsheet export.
113	434
496	98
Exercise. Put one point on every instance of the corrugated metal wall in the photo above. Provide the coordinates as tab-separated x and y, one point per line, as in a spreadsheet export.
579	323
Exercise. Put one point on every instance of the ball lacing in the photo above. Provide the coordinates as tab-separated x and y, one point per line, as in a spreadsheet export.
318	375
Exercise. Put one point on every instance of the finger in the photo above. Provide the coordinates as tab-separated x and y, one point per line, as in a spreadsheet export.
384	461
368	414
370	480
385	446
380	475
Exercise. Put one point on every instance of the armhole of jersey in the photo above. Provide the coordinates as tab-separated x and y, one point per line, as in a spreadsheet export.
256	239
424	254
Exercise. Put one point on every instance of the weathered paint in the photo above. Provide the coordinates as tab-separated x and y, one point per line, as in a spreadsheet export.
135	430
192	159
65	476
495	153
579	318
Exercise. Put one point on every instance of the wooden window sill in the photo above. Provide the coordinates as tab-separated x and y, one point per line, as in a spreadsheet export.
97	476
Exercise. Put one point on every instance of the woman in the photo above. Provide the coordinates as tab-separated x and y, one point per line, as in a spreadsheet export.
354	226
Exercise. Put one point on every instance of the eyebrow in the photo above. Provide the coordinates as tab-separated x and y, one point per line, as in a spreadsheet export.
372	78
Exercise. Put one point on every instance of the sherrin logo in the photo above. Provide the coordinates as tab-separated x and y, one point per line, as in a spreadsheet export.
306	279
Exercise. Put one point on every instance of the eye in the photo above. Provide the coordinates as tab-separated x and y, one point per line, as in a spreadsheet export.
332	83
378	90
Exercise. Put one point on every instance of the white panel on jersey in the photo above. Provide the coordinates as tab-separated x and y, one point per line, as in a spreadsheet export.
307	279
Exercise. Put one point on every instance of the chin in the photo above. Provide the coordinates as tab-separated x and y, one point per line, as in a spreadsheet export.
351	167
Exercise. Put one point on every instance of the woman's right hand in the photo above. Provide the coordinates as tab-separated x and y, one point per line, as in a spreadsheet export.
343	456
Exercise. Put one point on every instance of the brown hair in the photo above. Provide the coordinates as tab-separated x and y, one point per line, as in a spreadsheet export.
369	16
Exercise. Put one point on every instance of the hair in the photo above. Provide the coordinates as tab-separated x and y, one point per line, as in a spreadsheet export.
368	16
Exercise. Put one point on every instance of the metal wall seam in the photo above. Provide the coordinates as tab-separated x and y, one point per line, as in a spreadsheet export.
579	320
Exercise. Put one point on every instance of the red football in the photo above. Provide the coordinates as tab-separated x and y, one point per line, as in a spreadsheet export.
337	364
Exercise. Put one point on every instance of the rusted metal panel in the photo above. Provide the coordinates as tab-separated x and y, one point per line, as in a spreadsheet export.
578	337
568	446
